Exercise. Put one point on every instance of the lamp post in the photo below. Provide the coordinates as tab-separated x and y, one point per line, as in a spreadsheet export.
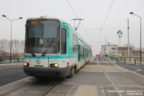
119	33
11	21
128	40
132	13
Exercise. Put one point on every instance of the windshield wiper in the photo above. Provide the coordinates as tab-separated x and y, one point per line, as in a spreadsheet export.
33	54
43	54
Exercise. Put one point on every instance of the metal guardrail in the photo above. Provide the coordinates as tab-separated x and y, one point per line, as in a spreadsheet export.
6	61
127	60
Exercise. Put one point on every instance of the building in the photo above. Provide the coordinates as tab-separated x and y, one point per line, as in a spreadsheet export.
109	50
120	54
123	54
133	58
123	51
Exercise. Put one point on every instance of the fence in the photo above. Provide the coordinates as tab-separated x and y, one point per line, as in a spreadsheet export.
6	61
128	60
113	58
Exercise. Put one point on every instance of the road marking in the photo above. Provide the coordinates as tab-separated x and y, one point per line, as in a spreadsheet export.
117	90
102	91
138	70
86	90
60	90
121	68
13	86
142	76
91	68
28	87
107	68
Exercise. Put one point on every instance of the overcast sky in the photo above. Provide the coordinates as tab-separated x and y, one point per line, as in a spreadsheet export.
94	12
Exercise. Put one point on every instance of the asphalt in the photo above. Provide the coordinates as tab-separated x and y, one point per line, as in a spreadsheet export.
98	78
136	68
10	73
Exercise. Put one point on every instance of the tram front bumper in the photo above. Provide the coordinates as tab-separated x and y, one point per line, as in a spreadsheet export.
47	72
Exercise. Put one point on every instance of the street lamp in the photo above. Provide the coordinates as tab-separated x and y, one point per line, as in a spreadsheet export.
132	13
11	20
119	33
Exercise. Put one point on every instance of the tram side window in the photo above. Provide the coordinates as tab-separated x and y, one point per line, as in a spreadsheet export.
84	52
75	43
78	52
81	52
63	41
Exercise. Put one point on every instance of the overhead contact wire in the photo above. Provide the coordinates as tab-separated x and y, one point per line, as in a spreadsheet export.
74	12
107	15
72	9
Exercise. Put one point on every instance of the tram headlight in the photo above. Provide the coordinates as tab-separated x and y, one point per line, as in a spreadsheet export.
54	65
26	64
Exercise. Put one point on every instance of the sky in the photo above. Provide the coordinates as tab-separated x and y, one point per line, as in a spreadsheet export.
102	18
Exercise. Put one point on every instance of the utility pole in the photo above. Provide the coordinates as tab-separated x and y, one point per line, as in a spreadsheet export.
140	18
78	24
128	37
11	21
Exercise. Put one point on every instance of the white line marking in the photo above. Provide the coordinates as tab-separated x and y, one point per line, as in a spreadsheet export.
128	70
110	80
103	91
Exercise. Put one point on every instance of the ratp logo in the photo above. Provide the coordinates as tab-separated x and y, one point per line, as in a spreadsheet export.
37	61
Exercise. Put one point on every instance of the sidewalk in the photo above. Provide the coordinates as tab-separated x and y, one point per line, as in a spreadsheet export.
107	59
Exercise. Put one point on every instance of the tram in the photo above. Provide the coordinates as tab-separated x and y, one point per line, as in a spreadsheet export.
53	48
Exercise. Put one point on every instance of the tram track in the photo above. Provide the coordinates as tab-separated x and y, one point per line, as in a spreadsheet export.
130	76
112	73
34	87
4	92
46	93
31	87
112	82
137	80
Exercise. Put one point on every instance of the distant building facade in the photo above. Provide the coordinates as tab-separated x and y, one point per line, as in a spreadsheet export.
133	58
120	54
123	54
109	50
123	51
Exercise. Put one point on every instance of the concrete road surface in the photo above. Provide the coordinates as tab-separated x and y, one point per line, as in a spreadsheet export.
10	73
98	78
137	68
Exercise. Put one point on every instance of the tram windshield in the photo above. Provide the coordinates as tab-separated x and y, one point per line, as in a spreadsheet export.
42	36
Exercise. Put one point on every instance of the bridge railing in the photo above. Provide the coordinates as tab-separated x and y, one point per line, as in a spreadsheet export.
6	61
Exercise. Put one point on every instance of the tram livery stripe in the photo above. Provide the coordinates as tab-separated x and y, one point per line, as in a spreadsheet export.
48	57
